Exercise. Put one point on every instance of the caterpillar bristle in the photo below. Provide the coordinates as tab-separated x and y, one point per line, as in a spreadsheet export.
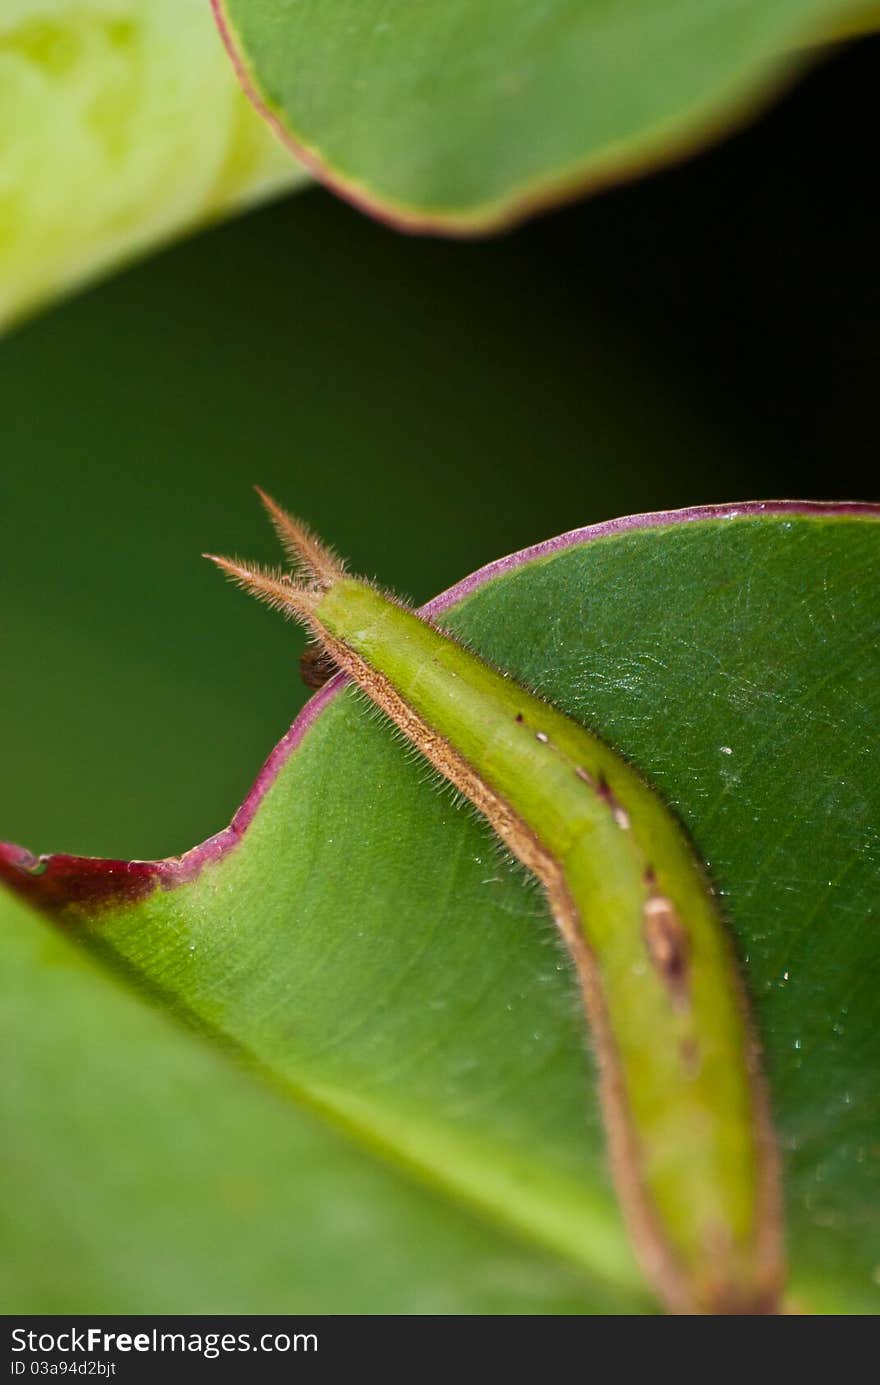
275	588
305	550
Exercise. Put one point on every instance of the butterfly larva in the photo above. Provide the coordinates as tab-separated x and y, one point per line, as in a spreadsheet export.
691	1145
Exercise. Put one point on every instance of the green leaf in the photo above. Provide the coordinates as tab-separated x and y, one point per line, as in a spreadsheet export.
462	115
162	1180
120	127
357	936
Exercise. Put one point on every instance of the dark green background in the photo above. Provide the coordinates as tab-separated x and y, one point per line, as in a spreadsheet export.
706	335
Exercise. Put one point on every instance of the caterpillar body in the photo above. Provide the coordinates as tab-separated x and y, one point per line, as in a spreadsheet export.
683	1098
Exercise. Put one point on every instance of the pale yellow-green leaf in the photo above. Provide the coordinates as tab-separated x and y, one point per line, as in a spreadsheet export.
121	126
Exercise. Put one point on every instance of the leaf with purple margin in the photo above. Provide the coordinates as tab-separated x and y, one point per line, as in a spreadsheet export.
458	116
356	935
121	126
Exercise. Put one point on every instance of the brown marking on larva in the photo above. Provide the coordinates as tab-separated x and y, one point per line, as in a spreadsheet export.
603	790
690	1056
316	667
520	718
618	812
667	944
763	1301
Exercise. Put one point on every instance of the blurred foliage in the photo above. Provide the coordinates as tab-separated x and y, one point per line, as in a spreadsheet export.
121	126
152	1177
468	114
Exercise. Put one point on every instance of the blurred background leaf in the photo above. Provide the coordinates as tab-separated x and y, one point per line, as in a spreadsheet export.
461	115
707	335
143	1174
121	126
